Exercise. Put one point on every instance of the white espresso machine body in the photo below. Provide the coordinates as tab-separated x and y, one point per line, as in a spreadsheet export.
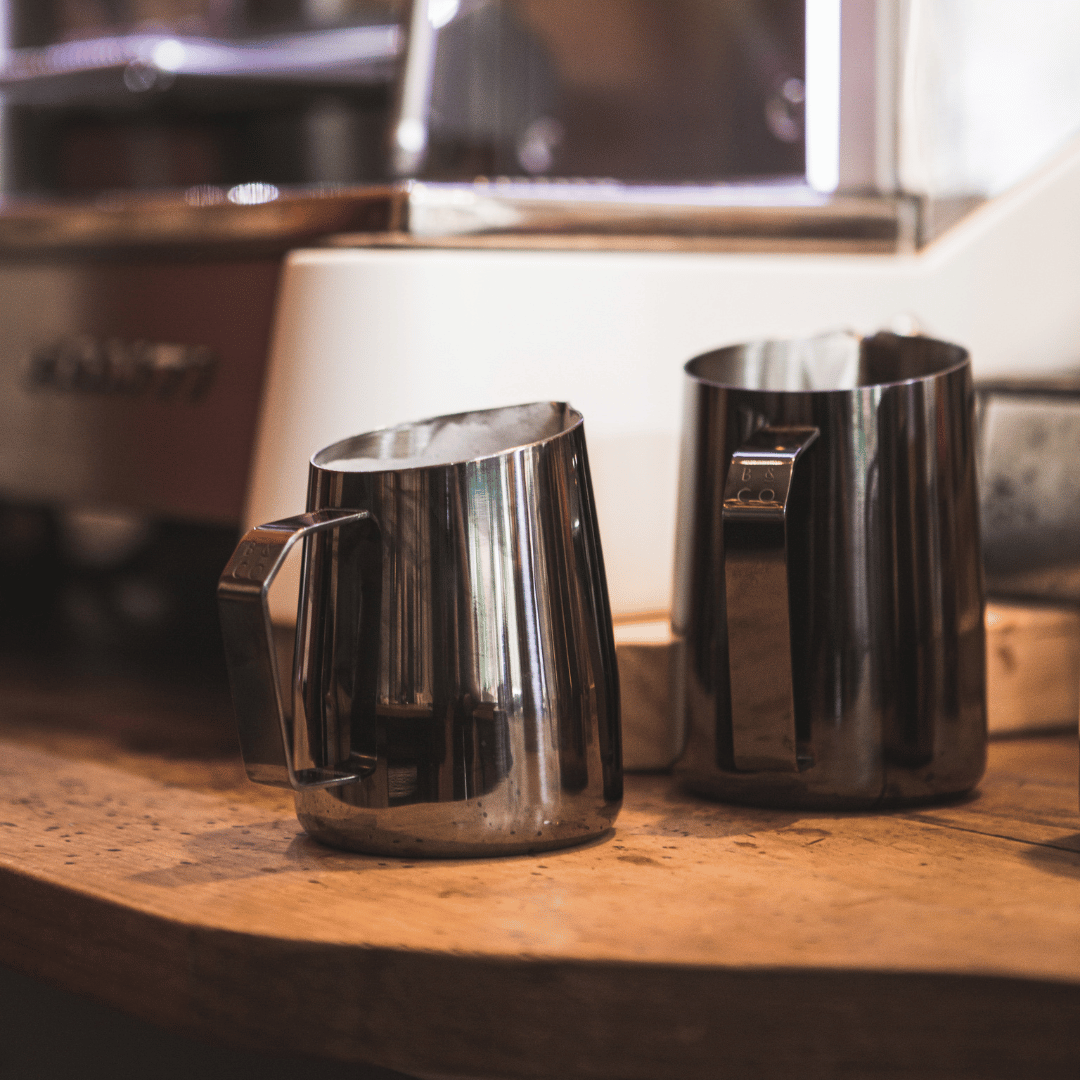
368	336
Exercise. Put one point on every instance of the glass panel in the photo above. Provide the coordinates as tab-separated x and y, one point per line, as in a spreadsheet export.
627	89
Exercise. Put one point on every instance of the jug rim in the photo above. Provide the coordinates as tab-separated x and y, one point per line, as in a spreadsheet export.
932	358
337	455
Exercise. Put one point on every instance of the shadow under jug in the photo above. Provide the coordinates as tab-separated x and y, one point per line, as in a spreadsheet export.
455	684
829	594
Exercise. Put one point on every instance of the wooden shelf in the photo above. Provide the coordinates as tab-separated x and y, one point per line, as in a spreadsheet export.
699	940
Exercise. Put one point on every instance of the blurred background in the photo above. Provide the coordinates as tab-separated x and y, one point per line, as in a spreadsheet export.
137	94
159	159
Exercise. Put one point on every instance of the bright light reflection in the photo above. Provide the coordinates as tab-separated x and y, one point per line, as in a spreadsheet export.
252	194
823	94
440	12
169	55
411	135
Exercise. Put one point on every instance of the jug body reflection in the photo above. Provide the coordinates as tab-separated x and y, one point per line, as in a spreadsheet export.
455	683
829	598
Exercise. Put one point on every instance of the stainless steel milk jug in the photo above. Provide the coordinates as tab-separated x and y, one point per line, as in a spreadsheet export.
455	686
829	597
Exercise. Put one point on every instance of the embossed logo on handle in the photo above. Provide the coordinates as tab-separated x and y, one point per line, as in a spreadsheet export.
755	509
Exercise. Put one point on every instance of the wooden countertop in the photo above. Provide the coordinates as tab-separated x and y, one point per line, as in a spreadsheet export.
699	940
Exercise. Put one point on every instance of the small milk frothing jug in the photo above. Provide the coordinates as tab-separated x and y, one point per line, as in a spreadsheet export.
455	690
829	597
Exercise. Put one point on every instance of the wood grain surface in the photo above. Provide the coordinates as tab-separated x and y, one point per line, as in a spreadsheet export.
699	940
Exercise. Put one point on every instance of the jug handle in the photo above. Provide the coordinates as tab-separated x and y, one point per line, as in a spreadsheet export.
266	728
756	580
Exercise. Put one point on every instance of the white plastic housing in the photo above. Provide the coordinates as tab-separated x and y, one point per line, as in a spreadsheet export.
365	338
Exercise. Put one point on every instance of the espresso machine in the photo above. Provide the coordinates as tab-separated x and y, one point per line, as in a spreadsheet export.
156	163
920	190
234	232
